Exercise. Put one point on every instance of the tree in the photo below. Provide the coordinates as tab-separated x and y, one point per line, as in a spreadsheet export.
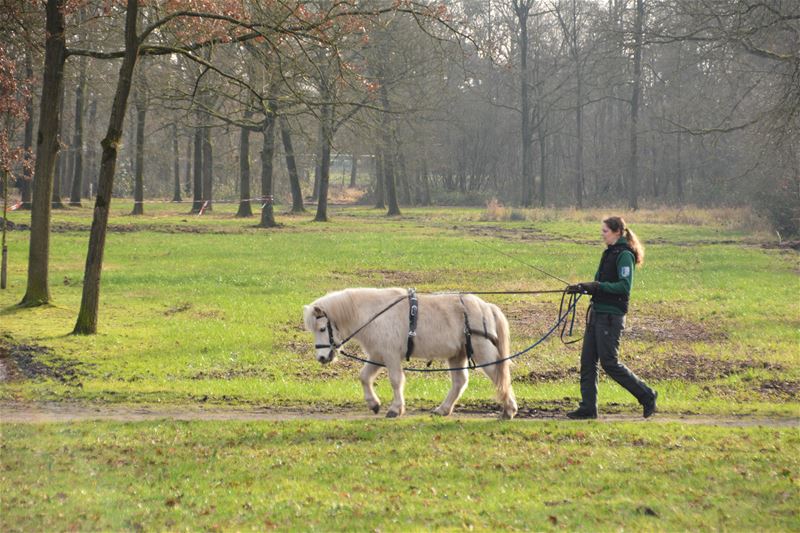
522	10
267	156
291	166
77	143
25	184
244	171
571	29
176	165
633	184
140	101
197	176
14	97
87	316
38	289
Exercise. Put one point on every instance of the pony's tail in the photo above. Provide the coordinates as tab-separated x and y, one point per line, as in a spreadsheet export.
505	394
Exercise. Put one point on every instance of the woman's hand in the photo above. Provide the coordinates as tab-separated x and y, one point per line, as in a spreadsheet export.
587	287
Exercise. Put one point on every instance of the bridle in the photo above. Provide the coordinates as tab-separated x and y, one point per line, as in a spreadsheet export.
332	344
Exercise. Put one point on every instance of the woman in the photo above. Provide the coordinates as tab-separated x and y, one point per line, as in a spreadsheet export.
606	319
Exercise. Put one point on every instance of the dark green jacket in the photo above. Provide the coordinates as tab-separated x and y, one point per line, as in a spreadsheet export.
625	266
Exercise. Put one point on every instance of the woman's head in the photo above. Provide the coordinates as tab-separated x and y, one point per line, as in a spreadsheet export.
614	227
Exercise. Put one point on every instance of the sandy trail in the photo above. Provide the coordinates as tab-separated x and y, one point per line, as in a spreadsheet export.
37	413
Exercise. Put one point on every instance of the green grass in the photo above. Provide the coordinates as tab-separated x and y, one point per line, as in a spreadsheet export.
191	315
392	476
207	310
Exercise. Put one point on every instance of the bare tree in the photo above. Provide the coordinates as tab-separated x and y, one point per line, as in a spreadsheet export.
38	288
87	316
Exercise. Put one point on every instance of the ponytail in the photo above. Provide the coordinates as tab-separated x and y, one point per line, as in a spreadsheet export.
618	224
638	248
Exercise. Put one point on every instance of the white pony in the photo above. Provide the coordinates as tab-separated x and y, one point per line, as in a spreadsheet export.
440	334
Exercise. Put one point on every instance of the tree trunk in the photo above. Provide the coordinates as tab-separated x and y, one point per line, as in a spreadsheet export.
426	182
655	169
59	155
27	173
208	169
138	176
325	163
318	161
176	165
405	177
187	184
38	290
633	185
90	185
291	167
380	201
245	210
87	317
579	179
388	154
65	157
522	10
353	170
267	156
197	203
679	170
679	179
77	143
542	168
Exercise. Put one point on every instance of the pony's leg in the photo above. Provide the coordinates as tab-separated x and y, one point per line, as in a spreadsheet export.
460	380
368	375
398	380
500	374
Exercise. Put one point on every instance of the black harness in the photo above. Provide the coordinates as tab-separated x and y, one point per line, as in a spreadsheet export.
469	332
413	308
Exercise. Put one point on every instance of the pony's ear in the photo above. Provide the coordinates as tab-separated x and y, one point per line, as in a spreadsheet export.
317	311
308	317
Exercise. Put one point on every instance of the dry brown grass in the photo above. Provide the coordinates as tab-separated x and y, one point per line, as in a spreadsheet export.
344	195
730	218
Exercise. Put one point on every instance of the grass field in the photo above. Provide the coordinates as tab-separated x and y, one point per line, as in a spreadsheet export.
388	476
207	311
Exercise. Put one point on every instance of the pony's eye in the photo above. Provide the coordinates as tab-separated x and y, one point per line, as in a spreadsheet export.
322	330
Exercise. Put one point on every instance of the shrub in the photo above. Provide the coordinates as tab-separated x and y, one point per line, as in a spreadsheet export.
494	211
781	206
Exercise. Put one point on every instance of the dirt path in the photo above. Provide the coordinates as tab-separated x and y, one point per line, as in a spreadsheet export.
27	413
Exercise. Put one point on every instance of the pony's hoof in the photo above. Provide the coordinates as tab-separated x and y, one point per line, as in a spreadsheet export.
440	412
392	414
375	408
506	415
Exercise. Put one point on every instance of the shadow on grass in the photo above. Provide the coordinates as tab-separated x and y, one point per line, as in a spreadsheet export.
17	308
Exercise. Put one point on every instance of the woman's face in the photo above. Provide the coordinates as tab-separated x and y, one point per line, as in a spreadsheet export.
610	237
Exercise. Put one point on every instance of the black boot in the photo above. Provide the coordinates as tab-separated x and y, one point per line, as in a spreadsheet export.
582	414
650	407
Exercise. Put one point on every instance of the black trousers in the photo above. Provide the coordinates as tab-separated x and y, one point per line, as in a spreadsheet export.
601	344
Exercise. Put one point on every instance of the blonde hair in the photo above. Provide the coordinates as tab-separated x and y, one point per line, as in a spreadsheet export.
617	224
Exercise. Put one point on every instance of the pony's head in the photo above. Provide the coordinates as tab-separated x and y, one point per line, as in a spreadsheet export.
317	322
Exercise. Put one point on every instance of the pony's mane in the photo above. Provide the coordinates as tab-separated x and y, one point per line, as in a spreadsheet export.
337	305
